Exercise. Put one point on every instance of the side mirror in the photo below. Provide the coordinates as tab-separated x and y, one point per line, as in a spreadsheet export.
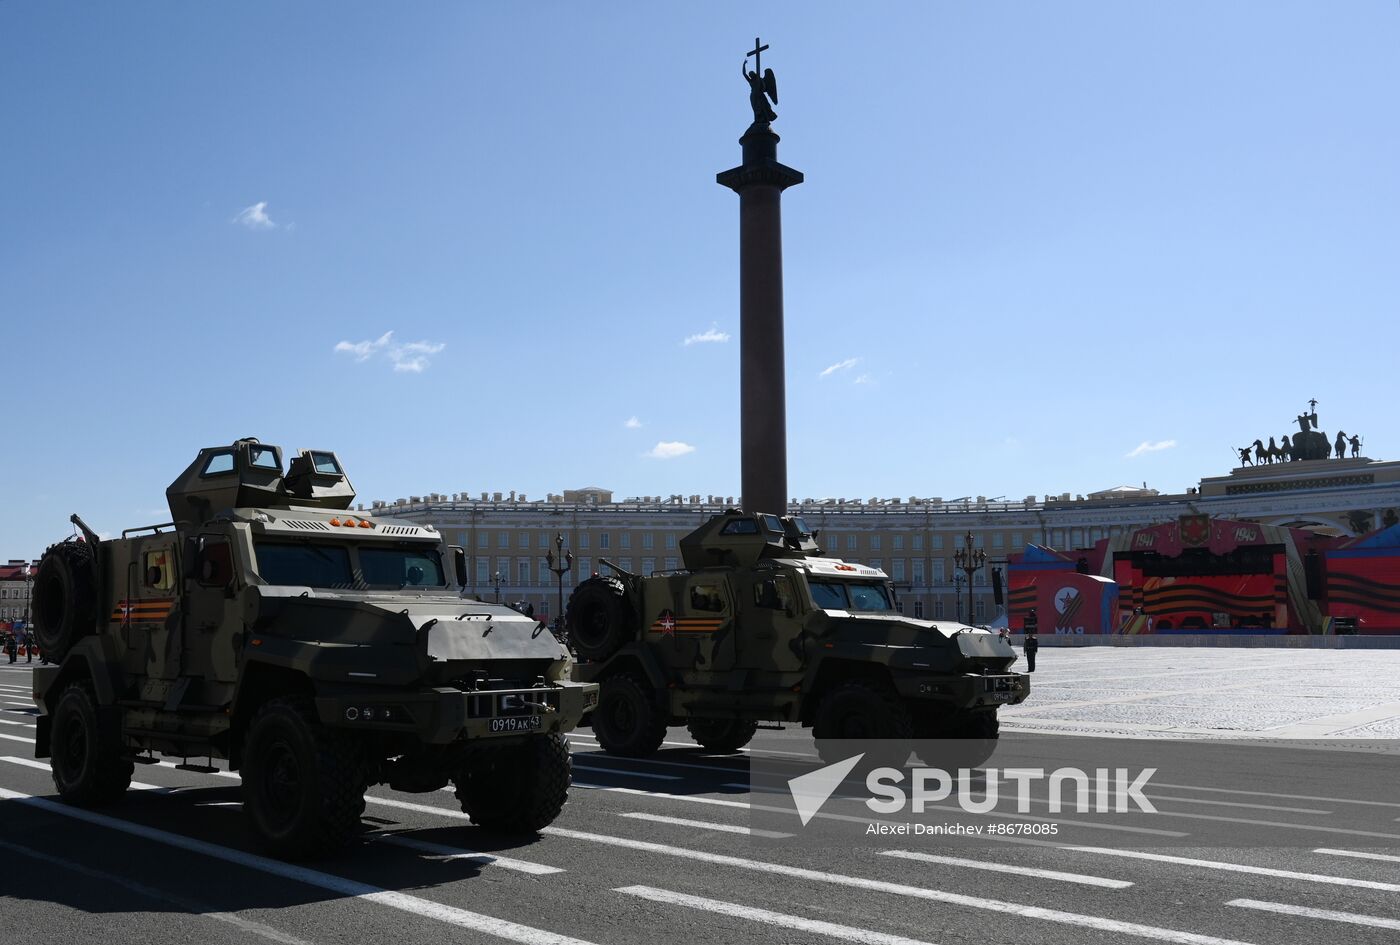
459	561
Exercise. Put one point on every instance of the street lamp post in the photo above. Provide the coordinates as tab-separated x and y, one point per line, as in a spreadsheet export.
969	560
560	562
498	579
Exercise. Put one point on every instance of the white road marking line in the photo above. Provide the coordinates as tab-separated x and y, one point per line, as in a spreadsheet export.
695	747
17	738
159	895
1080	878
474	856
16	722
1286	797
1361	855
403	902
22	705
795	923
44	767
1201	800
599	756
691	798
900	889
708	825
1308	912
650	776
1239	868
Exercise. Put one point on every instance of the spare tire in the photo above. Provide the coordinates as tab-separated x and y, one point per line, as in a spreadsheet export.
64	605
598	618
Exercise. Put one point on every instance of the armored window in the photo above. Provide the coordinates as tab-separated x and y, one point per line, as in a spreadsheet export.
218	464
160	569
304	565
707	597
263	457
214	566
740	526
401	567
325	463
772	523
828	595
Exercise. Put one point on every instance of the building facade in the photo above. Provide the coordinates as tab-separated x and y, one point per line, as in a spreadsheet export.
914	540
16	579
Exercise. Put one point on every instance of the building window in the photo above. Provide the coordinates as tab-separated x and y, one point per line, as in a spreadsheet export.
648	541
648	566
917	543
918	610
483	571
524	568
670	541
938	608
850	542
1016	541
524	539
672	564
583	539
874	542
898	542
626	540
899	605
1057	539
483	539
981	606
585	569
979	577
503	539
605	541
937	542
897	572
938	577
998	540
626	564
918	572
544	539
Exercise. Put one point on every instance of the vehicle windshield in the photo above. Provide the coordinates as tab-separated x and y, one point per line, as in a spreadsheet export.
850	595
304	565
401	567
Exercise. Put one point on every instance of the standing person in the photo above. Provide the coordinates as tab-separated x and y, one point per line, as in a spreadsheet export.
29	646
12	647
1031	646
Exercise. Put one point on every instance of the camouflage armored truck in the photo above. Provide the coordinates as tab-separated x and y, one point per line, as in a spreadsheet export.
317	650
760	627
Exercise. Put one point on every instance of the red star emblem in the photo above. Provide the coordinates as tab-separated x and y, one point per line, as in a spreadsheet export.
668	624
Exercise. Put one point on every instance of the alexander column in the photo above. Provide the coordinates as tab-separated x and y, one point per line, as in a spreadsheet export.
760	182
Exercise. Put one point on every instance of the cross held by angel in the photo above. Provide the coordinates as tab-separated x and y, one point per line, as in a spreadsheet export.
761	86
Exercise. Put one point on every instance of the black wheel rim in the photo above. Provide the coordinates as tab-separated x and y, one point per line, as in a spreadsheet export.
281	784
73	749
624	717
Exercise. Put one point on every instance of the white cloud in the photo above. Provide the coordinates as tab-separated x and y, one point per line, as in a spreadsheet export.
712	335
864	379
632	423
408	357
255	217
845	365
1146	447
670	449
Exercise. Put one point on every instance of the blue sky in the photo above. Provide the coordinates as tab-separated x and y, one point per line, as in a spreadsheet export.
1035	235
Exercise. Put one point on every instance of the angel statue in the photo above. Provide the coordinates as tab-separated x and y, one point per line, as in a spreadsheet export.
759	86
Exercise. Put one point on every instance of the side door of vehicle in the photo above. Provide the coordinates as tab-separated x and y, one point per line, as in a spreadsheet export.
772	638
147	608
213	627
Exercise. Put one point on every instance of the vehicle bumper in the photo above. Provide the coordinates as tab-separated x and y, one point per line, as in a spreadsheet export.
967	692
440	716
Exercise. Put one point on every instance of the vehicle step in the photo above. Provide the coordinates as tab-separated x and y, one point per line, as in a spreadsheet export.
142	759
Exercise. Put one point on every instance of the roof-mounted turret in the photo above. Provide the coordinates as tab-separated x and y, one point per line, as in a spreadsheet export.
741	539
248	474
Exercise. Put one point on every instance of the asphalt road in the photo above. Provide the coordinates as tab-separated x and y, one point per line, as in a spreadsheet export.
646	852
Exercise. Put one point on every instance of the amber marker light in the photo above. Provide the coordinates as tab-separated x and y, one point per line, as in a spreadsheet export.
364	524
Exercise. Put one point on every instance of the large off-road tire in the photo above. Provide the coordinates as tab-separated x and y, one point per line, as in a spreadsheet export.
88	769
516	788
64	605
722	736
867	713
627	721
598	618
956	739
303	784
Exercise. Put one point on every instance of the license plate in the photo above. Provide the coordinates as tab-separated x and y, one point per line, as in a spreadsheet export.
523	723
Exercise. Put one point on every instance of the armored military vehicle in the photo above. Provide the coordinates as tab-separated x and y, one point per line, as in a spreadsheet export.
316	649
760	626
